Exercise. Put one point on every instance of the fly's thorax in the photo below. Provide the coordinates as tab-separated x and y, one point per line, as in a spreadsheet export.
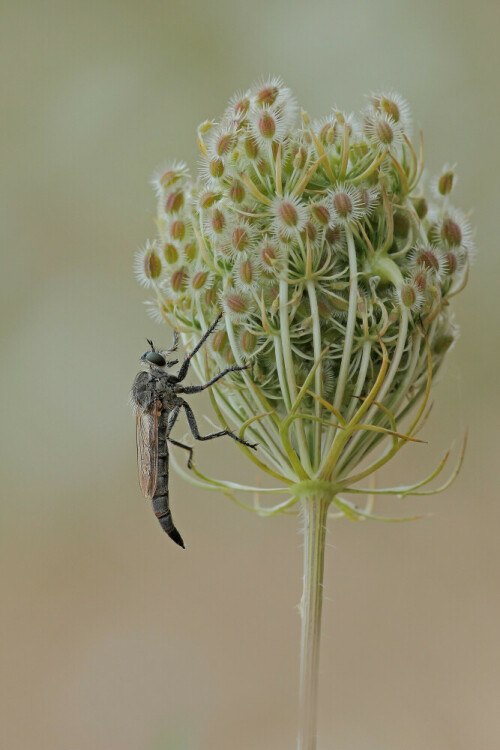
170	399
143	392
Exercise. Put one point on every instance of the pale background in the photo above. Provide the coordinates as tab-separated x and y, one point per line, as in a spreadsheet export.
111	637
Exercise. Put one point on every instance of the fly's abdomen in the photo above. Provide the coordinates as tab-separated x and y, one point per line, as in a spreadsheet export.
164	516
160	499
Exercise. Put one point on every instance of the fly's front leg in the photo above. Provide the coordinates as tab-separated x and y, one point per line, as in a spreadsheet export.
185	365
198	388
196	434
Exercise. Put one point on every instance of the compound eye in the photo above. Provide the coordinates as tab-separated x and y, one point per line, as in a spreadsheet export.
154	358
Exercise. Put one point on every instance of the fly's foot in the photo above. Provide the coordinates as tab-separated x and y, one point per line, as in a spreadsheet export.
249	445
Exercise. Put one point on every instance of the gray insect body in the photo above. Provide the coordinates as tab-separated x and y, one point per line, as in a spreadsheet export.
157	402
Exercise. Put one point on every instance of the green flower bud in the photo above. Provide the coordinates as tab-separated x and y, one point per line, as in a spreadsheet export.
170	253
174	202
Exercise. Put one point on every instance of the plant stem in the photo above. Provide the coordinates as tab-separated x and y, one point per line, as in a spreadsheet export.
315	514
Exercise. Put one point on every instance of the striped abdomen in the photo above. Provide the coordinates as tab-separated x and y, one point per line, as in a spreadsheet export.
160	498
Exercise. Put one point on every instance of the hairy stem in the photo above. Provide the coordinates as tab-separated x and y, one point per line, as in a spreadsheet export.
315	514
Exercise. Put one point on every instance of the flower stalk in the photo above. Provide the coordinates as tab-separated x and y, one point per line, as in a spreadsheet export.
315	512
336	275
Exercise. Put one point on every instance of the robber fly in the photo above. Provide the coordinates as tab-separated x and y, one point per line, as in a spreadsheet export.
157	402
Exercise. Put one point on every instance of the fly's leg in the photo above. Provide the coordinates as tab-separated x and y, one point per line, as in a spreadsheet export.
172	419
196	434
186	448
174	346
185	365
198	388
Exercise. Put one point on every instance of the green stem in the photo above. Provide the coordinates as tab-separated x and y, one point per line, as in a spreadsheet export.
315	515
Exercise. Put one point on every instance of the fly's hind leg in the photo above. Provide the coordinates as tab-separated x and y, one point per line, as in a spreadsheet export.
196	433
171	421
172	418
186	448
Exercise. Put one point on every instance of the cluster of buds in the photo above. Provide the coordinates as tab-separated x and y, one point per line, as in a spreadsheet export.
334	271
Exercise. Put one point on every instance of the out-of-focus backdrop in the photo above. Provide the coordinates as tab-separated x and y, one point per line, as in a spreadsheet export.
112	637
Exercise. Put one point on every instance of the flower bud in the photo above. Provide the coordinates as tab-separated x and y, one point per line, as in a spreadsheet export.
225	143
342	205
420	206
248	342
368	198
394	106
420	280
219	341
333	235
177	280
267	95
408	295
148	266
211	297
445	182
328	134
218	221
311	231
246	272
190	251
236	304
451	234
240	238
384	132
299	157
288	214
199	279
208	198
174	202
237	191
451	262
241	107
172	175
251	148
321	213
427	259
268	257
177	230
263	166
216	167
401	224
170	253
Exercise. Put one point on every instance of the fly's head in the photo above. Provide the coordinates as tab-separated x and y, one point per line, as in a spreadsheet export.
155	360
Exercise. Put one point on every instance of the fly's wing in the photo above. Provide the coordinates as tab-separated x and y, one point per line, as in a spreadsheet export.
147	449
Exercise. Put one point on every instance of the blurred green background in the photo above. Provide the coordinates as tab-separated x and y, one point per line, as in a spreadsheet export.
112	637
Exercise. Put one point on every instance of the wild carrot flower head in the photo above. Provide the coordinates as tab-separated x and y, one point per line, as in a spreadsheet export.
335	272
